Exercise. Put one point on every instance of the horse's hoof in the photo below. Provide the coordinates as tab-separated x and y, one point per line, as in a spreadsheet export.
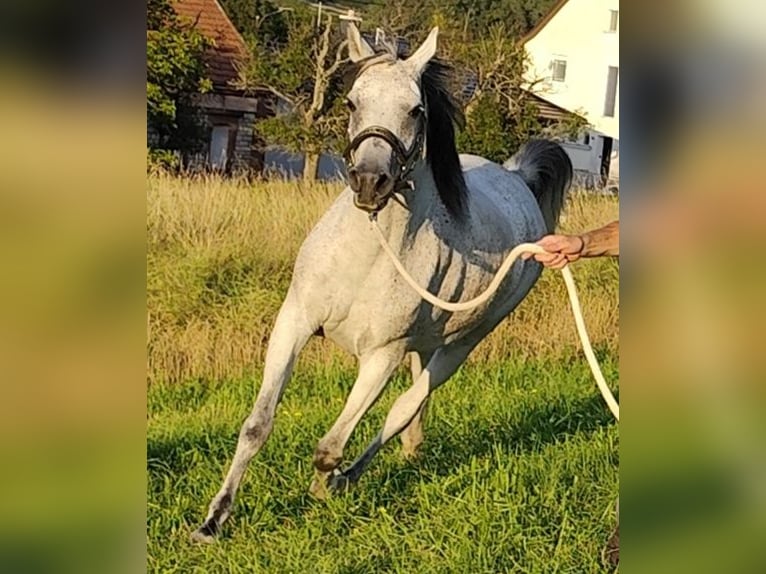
323	485
205	534
318	488
411	454
338	483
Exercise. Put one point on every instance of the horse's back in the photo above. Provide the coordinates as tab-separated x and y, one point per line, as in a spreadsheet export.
495	191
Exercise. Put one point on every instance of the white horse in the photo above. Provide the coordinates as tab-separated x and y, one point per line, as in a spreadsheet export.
453	221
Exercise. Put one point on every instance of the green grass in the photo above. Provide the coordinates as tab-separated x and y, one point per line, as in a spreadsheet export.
518	474
519	469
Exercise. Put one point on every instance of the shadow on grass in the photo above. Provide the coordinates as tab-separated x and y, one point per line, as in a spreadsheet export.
174	455
551	424
446	450
281	488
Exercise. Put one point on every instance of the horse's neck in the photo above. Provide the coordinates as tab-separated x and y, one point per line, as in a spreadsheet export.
422	201
345	240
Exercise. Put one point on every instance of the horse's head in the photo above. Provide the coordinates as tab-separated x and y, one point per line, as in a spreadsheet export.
387	126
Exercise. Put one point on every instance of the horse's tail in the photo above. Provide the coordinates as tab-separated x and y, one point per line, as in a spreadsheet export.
547	170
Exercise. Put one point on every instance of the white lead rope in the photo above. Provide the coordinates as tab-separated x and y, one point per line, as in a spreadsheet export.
494	285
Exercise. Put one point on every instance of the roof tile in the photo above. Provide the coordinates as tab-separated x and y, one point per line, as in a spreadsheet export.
212	22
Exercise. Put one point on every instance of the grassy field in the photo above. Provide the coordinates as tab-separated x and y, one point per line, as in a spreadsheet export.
519	469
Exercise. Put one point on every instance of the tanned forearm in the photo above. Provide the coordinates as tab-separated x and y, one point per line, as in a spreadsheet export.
602	241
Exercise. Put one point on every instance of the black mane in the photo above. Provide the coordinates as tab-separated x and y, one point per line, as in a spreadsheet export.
443	113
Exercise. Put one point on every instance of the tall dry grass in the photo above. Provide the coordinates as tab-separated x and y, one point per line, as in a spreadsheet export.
219	261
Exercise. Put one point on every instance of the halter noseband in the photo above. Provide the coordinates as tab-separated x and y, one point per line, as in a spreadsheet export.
405	158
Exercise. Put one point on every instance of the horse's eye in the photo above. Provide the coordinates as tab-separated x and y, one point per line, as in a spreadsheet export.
416	111
351	105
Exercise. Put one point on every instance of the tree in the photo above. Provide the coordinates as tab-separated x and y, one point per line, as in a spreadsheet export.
303	73
300	58
517	17
490	66
472	17
175	70
496	132
260	20
403	18
499	114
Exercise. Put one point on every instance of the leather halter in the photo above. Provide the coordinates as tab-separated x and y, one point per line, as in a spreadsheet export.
405	158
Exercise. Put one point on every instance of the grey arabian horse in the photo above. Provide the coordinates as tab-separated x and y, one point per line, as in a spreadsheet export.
453	221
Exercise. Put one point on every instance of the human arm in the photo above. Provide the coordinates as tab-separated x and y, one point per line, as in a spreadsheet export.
563	249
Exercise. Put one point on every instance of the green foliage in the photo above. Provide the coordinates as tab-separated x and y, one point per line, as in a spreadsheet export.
499	114
293	55
163	160
290	131
175	70
303	73
402	18
471	17
257	20
516	16
570	127
494	131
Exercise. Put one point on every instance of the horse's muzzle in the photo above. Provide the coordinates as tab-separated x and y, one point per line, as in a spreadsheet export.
371	189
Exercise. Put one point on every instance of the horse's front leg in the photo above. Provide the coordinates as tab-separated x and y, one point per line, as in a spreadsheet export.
291	332
442	365
375	369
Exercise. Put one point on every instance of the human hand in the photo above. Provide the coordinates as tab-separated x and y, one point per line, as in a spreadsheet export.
562	249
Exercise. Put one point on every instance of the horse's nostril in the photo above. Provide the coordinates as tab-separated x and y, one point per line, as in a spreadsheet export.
353	179
382	181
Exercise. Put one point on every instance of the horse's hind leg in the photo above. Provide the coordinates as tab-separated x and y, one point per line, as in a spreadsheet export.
412	435
290	334
374	371
444	362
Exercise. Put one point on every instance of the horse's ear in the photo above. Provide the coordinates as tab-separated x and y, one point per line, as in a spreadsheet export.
358	48
417	62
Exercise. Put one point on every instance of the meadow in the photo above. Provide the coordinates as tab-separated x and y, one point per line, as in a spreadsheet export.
519	470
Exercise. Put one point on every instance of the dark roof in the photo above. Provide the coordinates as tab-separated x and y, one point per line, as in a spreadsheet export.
212	22
549	110
543	22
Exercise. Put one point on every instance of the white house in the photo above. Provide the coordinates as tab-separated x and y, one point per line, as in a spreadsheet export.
574	55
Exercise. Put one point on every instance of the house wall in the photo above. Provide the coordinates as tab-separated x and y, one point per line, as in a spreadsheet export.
246	156
237	115
584	157
579	34
281	163
231	120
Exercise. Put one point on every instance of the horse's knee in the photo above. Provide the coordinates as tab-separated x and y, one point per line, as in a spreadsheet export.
327	456
256	430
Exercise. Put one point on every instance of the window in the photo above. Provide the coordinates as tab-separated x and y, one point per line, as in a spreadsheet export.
611	91
558	70
219	147
614	17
